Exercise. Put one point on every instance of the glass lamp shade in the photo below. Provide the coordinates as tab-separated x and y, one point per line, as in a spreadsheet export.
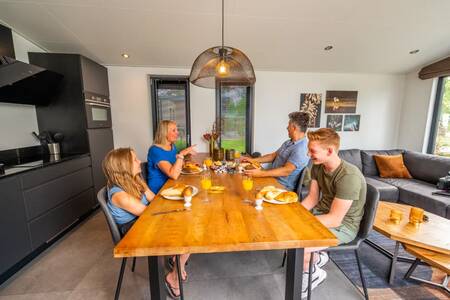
224	65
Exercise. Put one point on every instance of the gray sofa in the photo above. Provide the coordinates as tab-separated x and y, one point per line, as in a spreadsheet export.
425	169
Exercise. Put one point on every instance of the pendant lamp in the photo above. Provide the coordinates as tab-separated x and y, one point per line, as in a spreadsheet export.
222	64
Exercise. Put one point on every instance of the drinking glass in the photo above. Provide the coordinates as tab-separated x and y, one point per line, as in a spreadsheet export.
208	162
416	215
237	154
247	185
396	216
206	184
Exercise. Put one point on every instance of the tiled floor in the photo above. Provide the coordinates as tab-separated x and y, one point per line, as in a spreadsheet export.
81	266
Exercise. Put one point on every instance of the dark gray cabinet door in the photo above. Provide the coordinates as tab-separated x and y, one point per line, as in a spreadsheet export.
100	143
95	77
14	236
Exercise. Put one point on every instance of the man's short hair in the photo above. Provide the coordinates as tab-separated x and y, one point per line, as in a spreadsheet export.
325	136
300	119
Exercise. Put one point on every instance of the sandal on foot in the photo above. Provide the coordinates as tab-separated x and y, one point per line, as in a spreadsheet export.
171	267
170	290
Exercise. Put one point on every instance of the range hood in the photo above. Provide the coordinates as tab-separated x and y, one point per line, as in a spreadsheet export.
21	82
25	83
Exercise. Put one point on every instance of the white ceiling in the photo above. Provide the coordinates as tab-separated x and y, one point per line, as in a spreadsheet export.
285	35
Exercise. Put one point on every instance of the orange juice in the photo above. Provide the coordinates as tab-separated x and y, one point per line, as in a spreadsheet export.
208	162
247	184
416	215
237	154
206	183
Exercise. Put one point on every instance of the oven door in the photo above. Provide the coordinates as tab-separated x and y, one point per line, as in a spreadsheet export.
98	115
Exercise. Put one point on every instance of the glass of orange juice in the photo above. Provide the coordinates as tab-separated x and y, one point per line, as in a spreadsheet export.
247	185
416	215
206	184
208	162
237	154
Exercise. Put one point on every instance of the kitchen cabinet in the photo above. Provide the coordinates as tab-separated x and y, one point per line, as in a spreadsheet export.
102	139
14	236
94	76
39	204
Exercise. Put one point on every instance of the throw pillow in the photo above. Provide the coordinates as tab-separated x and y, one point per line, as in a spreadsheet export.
391	166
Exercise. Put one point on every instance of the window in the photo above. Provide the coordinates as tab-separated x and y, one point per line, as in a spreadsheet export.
170	101
439	142
234	105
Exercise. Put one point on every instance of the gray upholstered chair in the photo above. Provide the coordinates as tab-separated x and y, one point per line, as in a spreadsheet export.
370	210
115	235
144	171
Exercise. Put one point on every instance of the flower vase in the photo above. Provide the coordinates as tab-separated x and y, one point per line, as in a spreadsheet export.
212	145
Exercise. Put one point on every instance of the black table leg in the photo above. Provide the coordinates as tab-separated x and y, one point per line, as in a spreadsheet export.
180	280
156	277
294	274
394	261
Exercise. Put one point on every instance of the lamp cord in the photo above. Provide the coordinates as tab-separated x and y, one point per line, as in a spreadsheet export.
223	17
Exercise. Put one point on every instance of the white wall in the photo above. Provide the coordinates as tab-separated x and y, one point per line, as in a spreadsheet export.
416	112
276	94
131	107
17	121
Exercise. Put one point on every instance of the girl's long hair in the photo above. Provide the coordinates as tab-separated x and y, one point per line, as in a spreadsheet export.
161	132
118	169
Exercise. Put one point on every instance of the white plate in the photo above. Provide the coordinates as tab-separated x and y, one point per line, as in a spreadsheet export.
276	201
191	173
194	192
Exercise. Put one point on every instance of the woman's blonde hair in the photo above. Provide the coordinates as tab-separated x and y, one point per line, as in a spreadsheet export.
325	136
118	169
161	132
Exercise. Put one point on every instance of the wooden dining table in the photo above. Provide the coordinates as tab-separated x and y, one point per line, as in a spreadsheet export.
223	222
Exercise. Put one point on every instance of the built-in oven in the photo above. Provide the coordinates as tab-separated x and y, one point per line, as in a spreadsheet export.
98	110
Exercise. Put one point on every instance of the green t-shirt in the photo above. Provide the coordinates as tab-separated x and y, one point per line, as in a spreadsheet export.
347	183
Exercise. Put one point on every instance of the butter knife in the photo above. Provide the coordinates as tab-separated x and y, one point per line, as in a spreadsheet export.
168	211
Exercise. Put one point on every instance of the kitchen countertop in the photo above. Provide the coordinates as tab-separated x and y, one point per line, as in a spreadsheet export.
37	162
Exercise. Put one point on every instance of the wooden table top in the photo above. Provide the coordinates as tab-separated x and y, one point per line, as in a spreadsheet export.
432	235
435	259
225	224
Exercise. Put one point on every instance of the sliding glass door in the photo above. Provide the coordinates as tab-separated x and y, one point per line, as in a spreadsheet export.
170	101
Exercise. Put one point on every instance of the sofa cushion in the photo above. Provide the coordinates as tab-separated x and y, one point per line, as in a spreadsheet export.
419	194
352	156
391	166
387	192
426	167
398	182
369	168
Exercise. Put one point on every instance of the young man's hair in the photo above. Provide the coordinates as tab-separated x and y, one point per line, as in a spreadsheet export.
326	137
300	119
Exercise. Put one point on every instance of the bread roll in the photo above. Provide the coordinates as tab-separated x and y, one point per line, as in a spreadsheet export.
287	197
187	192
174	191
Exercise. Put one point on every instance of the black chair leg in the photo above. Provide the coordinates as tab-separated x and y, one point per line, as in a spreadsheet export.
311	263
119	282
284	258
363	282
134	264
180	280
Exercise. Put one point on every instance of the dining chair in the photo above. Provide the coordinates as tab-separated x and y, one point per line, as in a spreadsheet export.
115	235
144	170
370	210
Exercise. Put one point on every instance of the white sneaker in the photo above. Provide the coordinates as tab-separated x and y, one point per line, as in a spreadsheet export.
323	259
318	276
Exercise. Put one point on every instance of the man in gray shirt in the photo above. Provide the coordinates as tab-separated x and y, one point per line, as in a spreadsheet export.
290	159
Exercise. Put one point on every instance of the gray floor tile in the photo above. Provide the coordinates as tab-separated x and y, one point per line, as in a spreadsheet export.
39	296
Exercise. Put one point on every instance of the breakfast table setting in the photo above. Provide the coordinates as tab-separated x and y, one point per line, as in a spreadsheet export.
214	207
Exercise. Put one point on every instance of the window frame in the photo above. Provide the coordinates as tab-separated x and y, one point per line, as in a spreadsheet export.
436	112
249	112
153	80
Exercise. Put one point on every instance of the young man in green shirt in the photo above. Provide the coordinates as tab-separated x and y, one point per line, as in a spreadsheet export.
341	206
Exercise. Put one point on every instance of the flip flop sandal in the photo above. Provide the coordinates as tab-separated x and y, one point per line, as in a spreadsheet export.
171	267
170	289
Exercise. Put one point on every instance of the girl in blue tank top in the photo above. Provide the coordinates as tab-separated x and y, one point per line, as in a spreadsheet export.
128	194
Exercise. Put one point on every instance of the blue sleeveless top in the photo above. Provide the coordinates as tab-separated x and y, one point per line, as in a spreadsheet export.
120	215
156	177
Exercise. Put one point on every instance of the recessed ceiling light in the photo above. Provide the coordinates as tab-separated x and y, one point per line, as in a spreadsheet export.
124	55
328	48
414	51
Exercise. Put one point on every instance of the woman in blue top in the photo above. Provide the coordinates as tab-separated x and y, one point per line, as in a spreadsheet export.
128	194
165	163
163	160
